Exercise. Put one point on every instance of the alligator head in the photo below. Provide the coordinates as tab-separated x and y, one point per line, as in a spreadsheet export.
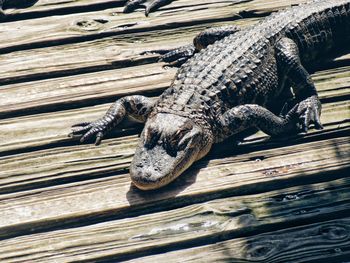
168	145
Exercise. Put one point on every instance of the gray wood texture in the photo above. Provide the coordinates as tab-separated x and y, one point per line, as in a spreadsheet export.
267	200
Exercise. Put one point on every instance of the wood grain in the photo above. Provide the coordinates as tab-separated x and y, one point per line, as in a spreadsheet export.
72	28
112	195
267	200
326	241
204	223
106	86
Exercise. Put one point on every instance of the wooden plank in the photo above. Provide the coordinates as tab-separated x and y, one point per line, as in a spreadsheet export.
99	87
92	88
100	54
200	224
51	31
47	7
321	242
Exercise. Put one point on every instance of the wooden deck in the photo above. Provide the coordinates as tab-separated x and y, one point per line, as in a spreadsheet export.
65	61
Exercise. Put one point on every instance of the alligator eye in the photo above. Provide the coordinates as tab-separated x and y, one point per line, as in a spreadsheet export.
178	136
172	143
151	138
184	141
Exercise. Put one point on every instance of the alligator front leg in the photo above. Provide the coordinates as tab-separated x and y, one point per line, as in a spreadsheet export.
178	56
150	5
247	116
309	105
138	107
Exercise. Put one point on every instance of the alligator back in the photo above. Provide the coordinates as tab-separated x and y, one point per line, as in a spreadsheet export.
242	67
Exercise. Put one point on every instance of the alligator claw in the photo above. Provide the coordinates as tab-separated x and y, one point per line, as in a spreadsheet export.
309	111
93	131
87	130
178	56
81	124
99	137
150	5
174	57
77	130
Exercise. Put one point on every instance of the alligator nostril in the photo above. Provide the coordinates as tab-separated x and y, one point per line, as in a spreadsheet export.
147	174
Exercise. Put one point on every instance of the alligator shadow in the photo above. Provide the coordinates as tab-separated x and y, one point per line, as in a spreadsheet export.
170	195
167	194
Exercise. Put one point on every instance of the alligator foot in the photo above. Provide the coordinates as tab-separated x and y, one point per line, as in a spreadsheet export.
138	107
178	56
309	111
250	116
309	106
174	57
149	5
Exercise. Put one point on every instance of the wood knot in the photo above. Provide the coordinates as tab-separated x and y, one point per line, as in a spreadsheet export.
259	250
90	24
336	232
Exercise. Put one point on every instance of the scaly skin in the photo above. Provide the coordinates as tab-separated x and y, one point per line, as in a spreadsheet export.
236	84
178	56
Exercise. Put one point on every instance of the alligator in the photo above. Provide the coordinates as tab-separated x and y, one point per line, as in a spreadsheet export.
229	86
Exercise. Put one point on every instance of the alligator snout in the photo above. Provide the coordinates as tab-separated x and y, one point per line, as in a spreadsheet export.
151	168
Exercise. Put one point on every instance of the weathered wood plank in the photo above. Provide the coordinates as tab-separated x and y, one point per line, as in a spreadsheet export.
48	182
73	6
50	7
326	241
99	87
101	54
51	31
203	223
77	90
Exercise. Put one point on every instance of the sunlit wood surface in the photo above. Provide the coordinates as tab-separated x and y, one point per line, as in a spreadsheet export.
66	61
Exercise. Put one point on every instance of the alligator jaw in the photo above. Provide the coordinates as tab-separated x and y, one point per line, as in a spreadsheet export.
158	163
